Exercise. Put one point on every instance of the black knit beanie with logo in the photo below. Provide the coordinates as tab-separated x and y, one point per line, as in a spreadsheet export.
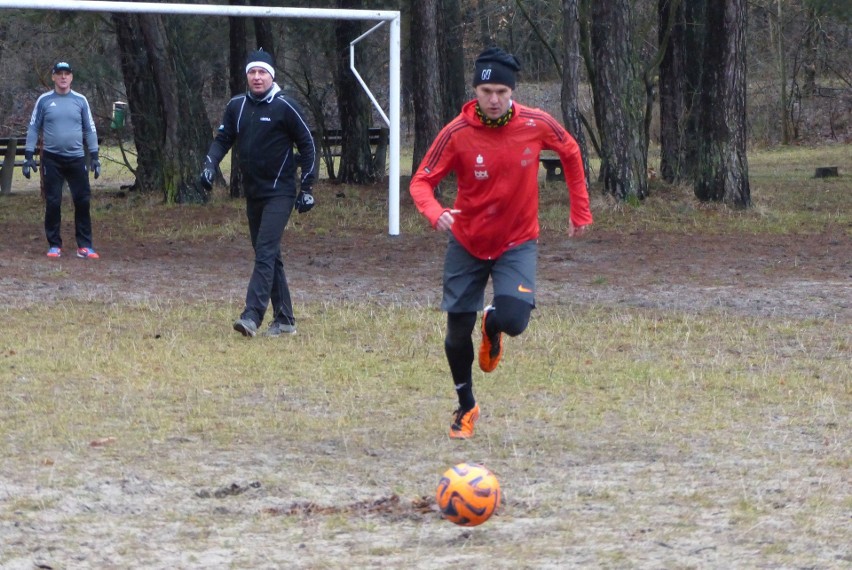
496	66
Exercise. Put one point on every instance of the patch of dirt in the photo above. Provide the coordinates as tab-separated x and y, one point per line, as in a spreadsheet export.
806	276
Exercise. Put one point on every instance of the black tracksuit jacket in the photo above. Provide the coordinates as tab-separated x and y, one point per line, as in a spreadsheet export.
265	131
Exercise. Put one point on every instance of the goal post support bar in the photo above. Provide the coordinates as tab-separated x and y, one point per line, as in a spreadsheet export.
390	16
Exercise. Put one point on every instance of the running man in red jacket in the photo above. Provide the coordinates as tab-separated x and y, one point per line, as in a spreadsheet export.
493	148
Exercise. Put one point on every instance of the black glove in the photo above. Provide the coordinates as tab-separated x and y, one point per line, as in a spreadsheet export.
305	200
29	164
96	165
208	174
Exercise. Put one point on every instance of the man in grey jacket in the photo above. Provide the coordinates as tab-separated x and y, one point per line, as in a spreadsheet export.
64	120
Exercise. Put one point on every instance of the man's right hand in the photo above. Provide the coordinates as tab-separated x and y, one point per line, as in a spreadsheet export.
29	165
446	220
208	174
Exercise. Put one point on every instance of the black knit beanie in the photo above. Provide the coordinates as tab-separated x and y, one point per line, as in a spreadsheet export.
496	66
262	59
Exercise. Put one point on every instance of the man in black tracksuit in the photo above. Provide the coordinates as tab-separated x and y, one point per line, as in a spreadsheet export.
265	125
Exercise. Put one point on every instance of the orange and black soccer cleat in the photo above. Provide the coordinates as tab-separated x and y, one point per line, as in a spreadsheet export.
462	427
491	349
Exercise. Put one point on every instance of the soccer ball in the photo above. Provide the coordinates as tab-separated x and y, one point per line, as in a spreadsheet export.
468	494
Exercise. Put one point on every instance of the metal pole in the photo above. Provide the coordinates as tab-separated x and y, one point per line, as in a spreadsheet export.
393	137
200	9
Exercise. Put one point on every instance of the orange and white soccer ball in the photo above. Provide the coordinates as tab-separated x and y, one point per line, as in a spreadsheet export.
468	494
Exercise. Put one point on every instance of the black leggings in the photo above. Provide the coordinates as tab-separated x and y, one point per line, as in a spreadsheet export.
510	316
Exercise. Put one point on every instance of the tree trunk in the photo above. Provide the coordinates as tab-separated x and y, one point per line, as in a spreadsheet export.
265	38
156	45
810	54
143	104
452	83
237	54
356	160
723	165
695	34
680	76
171	127
183	145
671	89
425	77
782	75
621	95
571	77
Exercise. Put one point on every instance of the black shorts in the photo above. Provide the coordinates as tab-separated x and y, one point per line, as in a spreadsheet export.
465	276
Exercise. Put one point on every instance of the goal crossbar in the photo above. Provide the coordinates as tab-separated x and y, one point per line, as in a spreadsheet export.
385	16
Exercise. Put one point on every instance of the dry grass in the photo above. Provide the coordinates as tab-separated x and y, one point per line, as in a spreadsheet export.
140	435
632	422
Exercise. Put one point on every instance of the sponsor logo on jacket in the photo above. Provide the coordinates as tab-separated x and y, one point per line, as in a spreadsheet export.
480	172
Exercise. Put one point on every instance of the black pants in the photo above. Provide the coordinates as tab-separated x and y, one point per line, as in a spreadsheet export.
57	169
267	219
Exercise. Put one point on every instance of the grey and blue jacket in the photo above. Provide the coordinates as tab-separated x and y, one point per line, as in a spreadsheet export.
64	121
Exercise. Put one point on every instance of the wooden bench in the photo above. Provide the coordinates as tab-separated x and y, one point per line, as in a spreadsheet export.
332	141
11	148
553	166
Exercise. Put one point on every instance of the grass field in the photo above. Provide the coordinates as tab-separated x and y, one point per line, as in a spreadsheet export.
139	431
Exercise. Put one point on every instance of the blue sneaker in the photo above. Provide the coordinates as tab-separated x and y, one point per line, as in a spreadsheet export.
87	253
54	252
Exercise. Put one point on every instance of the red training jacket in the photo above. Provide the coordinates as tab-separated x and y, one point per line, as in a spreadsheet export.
497	174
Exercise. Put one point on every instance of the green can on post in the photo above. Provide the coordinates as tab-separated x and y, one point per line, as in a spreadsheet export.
119	109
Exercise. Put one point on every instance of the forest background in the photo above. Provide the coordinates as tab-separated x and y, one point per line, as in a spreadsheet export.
680	399
648	88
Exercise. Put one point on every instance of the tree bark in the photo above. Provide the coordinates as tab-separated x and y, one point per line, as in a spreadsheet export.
237	54
620	92
265	38
425	77
356	160
175	129
452	83
782	75
723	165
571	77
680	76
143	104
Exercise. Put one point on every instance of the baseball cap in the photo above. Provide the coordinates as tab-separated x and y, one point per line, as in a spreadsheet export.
62	66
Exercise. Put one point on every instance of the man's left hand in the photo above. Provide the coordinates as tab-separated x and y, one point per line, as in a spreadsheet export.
305	200
96	166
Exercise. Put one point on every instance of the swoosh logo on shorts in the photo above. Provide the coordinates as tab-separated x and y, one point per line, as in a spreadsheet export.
523	289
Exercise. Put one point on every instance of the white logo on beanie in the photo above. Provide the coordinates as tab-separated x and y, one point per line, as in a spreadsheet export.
486	74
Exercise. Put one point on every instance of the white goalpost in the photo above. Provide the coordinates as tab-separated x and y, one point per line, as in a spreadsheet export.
392	117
